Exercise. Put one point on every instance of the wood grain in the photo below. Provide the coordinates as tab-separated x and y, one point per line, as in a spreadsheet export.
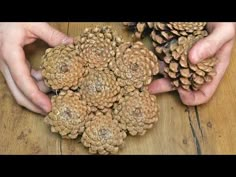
207	129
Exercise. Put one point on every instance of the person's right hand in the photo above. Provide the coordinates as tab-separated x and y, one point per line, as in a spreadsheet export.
219	43
26	86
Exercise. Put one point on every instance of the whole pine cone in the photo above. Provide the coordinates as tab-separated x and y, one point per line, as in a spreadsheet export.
61	68
103	134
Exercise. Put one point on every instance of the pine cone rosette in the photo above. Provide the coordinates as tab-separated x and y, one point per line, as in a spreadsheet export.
61	68
100	89
137	112
69	114
97	47
103	134
101	82
134	65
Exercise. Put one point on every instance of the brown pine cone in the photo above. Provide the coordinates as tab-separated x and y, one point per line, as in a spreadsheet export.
139	28
137	112
69	114
100	88
164	33
134	65
97	46
103	134
181	72
61	69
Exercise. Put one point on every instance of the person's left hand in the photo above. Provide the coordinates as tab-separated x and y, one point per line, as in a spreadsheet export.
26	86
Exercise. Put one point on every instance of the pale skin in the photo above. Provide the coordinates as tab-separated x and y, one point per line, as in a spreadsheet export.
219	43
27	85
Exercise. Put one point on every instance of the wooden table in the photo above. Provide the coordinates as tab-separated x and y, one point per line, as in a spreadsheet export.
206	129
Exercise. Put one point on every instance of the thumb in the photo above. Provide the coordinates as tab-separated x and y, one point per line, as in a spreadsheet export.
50	35
207	47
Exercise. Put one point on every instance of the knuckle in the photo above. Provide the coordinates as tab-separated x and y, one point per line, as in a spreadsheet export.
54	35
4	51
33	96
211	49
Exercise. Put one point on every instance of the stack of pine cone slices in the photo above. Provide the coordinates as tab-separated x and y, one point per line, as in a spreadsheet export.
100	89
172	42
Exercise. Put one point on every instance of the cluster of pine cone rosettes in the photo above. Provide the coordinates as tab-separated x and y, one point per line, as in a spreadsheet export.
172	42
100	84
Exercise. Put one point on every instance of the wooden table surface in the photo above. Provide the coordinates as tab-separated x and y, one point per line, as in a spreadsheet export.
205	129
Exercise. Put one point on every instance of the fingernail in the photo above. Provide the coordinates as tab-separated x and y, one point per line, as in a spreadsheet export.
67	40
43	113
150	89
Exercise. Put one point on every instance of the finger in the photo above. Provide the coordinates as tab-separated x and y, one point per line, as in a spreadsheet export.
207	90
21	75
50	35
19	97
208	47
37	75
42	87
160	86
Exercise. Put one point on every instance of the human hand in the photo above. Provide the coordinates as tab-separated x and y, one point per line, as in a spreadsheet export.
219	43
26	85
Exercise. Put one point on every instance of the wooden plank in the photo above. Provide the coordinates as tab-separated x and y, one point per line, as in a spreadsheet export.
24	132
218	116
208	129
171	135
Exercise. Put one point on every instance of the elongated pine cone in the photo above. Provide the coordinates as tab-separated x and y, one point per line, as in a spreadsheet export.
69	114
61	68
97	46
137	112
181	72
103	134
134	65
100	89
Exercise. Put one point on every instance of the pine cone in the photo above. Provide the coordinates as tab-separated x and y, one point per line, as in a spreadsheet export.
164	33
97	46
103	134
137	112
61	69
99	88
181	71
139	28
69	114
134	65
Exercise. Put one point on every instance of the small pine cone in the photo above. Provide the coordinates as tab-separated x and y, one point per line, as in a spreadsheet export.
61	68
137	112
103	134
69	114
181	71
100	89
134	65
97	46
139	28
